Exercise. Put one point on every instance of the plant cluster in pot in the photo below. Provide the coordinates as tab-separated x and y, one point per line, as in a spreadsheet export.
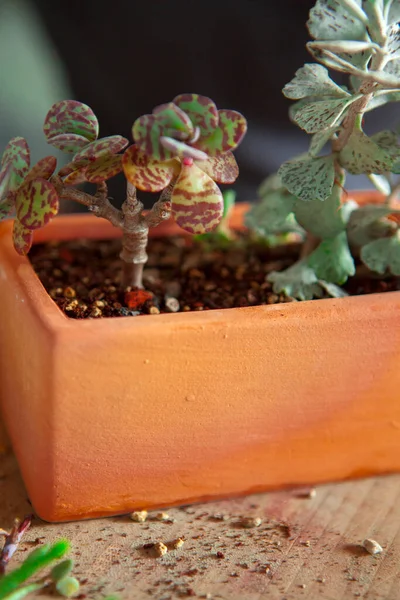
107	415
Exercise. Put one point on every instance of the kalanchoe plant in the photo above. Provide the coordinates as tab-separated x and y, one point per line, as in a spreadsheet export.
360	39
183	149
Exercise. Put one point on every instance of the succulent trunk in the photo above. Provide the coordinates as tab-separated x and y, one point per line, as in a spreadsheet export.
134	256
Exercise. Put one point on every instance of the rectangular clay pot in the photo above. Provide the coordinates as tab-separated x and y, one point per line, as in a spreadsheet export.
107	416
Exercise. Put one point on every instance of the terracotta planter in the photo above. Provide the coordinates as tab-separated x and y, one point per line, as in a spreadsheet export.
113	415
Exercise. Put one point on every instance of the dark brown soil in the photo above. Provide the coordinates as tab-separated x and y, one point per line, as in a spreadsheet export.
83	277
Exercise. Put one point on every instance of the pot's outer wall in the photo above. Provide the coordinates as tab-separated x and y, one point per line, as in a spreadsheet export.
114	415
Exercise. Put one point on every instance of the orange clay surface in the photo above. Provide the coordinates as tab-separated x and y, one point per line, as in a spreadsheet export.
120	414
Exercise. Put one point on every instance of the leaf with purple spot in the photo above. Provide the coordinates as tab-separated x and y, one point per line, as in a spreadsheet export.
7	208
197	202
73	166
5	178
44	168
174	119
148	174
22	238
17	155
69	142
181	149
71	117
104	168
227	136
201	110
222	168
36	203
146	132
108	145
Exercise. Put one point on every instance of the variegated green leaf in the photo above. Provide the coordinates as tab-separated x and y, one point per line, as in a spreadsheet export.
320	139
16	154
7	208
222	168
312	80
181	149
382	255
197	202
71	117
321	114
148	174
22	238
201	110
72	166
68	142
36	203
44	168
337	20
332	260
273	214
362	155
5	178
227	136
104	168
309	178
175	119
323	219
107	145
146	133
76	176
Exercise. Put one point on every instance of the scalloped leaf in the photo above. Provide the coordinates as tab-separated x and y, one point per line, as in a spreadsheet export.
227	136
319	140
181	149
323	219
382	255
201	110
312	80
68	142
332	260
7	208
337	20
197	202
104	168
17	154
370	222
172	117
36	203
148	174
362	155
71	117
146	133
273	214
44	169
309	178
108	145
298	281
222	168
22	238
321	114
387	140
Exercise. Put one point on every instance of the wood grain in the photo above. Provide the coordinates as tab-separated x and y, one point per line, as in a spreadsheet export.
305	548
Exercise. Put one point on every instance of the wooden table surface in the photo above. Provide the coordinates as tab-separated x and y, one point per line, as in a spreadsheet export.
305	547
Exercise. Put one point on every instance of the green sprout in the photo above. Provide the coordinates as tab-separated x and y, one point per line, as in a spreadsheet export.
361	40
13	585
183	150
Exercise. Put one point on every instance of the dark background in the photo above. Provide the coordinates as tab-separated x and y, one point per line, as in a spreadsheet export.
123	57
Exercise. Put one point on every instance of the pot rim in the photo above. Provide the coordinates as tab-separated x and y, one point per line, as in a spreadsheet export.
33	293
